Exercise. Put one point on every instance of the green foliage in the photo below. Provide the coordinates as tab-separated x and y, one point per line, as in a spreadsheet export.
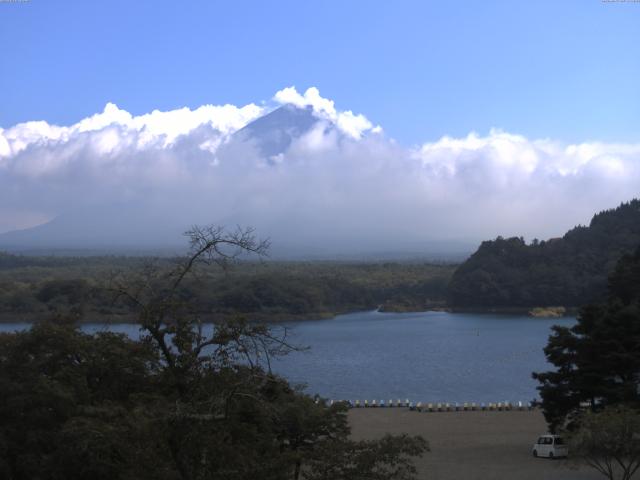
609	441
568	271
67	399
179	403
31	287
597	360
79	406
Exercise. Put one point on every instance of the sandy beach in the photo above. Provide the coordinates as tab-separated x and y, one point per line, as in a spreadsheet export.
471	445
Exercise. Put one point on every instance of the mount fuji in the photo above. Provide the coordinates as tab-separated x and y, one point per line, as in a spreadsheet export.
298	174
157	223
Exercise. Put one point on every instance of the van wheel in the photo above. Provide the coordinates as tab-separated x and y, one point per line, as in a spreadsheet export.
535	453
551	455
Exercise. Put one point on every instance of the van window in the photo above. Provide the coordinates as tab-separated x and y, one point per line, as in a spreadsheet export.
559	441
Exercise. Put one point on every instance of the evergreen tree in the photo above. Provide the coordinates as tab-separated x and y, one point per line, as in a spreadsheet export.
570	271
597	360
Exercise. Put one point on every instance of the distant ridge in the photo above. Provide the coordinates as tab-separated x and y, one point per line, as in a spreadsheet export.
568	271
119	228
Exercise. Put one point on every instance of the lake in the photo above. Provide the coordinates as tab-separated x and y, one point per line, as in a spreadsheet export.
430	356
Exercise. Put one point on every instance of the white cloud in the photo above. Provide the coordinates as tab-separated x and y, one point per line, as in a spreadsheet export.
311	98
353	125
337	185
149	130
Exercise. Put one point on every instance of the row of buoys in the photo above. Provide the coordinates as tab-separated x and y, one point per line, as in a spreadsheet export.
381	403
437	407
472	406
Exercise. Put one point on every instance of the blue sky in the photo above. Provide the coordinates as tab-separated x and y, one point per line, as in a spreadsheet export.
565	70
558	80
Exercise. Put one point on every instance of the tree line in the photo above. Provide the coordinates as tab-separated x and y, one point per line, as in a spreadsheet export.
31	287
570	271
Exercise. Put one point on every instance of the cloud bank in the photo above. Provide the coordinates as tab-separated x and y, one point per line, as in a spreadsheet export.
341	185
353	125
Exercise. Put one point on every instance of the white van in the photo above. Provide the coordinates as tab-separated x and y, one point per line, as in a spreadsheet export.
550	446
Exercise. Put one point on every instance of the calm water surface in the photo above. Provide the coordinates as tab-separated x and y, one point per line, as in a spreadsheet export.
433	356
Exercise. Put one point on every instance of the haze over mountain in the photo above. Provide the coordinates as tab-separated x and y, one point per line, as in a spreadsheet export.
317	180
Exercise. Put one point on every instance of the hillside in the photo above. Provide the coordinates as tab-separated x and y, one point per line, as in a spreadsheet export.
568	271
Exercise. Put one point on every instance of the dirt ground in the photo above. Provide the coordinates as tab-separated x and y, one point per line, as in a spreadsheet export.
471	445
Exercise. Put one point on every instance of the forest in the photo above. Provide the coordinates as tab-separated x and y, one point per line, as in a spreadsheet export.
506	273
33	287
568	271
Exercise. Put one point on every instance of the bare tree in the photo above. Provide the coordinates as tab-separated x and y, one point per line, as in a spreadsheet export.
609	441
205	369
172	321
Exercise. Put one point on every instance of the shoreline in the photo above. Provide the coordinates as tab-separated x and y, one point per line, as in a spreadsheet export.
9	318
566	311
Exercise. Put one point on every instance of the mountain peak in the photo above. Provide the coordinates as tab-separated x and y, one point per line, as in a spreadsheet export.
273	133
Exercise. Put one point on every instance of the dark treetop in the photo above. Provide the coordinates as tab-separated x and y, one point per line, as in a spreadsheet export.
568	271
